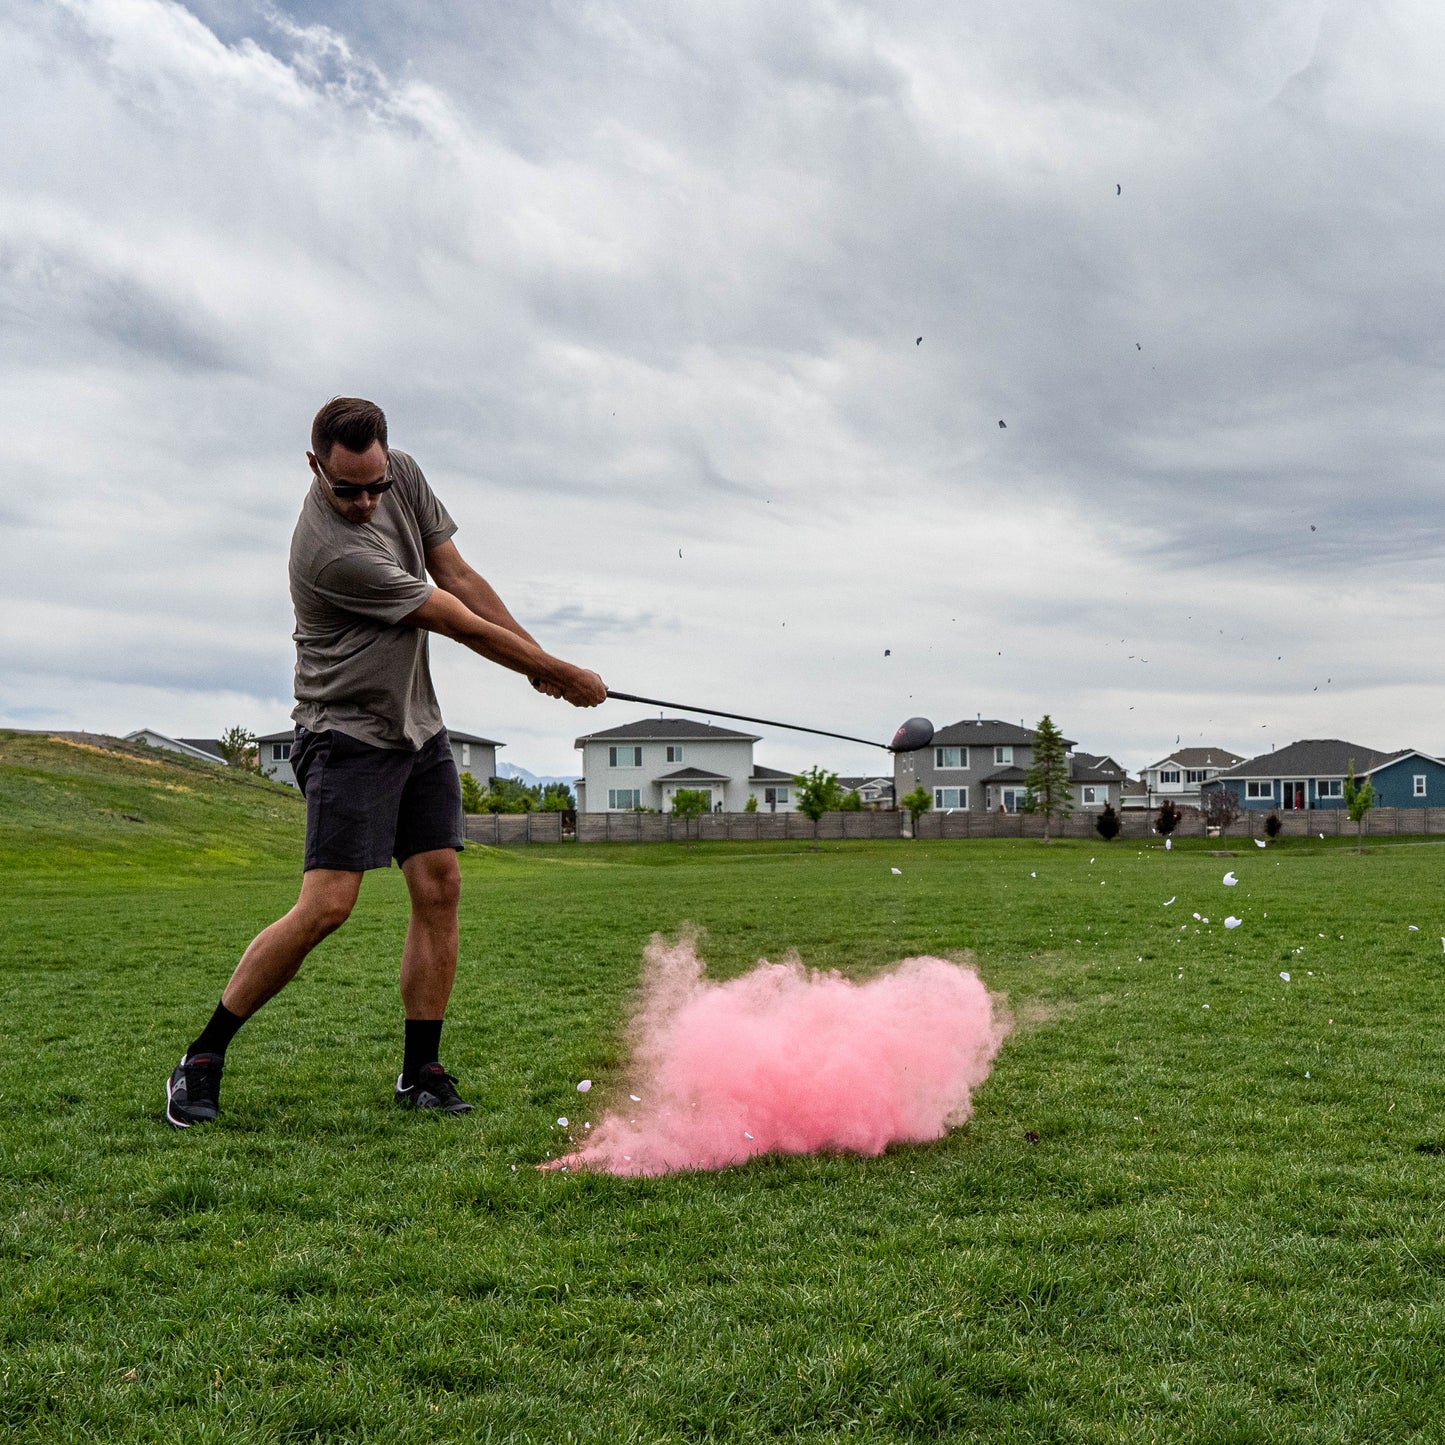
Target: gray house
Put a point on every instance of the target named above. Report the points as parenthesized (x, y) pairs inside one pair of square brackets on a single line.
[(206, 750), (982, 767), (473, 754)]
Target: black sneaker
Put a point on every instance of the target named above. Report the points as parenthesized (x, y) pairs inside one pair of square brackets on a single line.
[(193, 1092), (434, 1089)]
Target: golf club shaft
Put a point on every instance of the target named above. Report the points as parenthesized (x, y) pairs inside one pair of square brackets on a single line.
[(742, 717)]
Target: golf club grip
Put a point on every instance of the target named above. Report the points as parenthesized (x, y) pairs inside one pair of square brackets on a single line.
[(743, 717)]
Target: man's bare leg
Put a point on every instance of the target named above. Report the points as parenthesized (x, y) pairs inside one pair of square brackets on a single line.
[(266, 967), (429, 959), (276, 953), (428, 969)]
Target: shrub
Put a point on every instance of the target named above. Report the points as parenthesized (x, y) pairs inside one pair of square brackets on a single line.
[(1107, 824), (1168, 819), (1272, 825)]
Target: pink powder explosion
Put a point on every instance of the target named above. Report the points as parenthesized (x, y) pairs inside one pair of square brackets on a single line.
[(787, 1060)]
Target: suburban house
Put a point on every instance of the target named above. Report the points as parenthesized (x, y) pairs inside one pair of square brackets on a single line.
[(982, 767), (643, 764), (872, 792), (1180, 776), (1311, 774), (473, 754), (207, 750)]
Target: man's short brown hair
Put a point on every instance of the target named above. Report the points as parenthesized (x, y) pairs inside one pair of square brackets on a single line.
[(352, 422)]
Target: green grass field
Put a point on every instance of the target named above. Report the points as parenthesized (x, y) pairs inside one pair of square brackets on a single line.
[(1229, 1228)]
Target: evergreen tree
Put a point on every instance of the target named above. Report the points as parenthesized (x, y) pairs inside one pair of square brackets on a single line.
[(1168, 819), (1048, 779), (471, 794), (238, 747), (1107, 824)]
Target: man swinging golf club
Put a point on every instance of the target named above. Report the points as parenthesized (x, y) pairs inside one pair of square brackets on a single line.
[(371, 753)]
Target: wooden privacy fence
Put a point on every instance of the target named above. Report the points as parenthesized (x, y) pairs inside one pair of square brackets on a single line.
[(503, 829)]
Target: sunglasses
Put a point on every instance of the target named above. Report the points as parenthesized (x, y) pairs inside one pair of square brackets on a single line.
[(349, 491)]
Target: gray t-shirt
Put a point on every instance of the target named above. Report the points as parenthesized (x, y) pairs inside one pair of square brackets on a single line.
[(351, 584)]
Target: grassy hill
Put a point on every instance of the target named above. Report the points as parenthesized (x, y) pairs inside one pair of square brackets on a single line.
[(66, 804)]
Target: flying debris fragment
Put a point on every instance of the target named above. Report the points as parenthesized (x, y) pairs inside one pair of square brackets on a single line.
[(1002, 423), (1232, 921), (919, 342), (562, 1122), (585, 1086), (1168, 901), (1284, 975), (1260, 843), (1230, 880), (895, 870), (1168, 842)]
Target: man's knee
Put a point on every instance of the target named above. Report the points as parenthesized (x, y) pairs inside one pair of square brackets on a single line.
[(434, 881), (326, 903)]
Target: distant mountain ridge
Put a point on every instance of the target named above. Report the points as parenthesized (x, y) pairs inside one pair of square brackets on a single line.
[(533, 780)]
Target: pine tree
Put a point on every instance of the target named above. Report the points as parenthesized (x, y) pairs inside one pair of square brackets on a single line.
[(1048, 779)]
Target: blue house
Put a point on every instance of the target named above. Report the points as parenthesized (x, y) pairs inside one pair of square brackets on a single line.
[(1311, 774)]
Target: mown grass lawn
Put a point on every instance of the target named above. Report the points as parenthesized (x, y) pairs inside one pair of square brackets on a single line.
[(1228, 1229)]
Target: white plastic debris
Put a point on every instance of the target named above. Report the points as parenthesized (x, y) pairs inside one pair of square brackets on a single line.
[(1168, 901), (1168, 844), (1033, 875), (562, 1122), (634, 1098), (895, 870), (1196, 915), (1204, 920), (1206, 1005), (584, 1086), (1284, 975), (746, 1135), (1230, 880), (1413, 929), (1232, 921), (1260, 843), (587, 1126)]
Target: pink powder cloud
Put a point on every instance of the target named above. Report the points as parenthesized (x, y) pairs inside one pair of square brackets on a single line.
[(787, 1060)]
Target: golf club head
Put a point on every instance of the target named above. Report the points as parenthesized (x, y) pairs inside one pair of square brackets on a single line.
[(916, 733)]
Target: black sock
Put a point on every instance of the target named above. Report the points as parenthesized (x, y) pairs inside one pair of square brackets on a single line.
[(423, 1043), (217, 1034)]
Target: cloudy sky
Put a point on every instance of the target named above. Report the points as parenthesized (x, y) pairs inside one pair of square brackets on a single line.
[(640, 285)]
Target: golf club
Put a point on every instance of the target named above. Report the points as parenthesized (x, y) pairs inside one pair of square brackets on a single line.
[(916, 733)]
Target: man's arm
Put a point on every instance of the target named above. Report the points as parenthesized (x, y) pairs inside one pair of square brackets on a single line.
[(506, 642), (450, 571)]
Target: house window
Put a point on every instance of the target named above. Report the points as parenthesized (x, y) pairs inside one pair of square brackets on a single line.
[(1419, 785), (1013, 799), (280, 752), (674, 752), (466, 755), (624, 757), (1088, 794), (1253, 789), (1330, 788), (1003, 757), (950, 757), (773, 797), (950, 797), (1169, 775), (1195, 775), (624, 798)]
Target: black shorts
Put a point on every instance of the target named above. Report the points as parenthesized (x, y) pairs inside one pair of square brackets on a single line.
[(367, 805)]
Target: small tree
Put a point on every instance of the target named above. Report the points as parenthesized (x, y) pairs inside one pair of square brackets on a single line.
[(751, 806), (689, 803), (238, 747), (557, 798), (918, 802), (1107, 823), (471, 794), (1048, 779), (1272, 825), (1359, 799), (507, 795), (1218, 805), (850, 801), (1168, 819), (818, 793)]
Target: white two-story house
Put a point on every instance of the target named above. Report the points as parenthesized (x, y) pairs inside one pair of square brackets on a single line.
[(1181, 775), (644, 764)]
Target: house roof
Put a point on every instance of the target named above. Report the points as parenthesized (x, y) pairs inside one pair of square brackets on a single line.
[(177, 745), (983, 732), (854, 783), (1086, 768), (205, 745), (692, 775), (666, 729), (760, 774), (1007, 775), (461, 737), (1200, 758), (1314, 757)]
